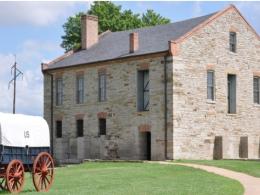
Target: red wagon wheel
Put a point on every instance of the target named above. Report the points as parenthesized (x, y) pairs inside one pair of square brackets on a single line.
[(15, 176), (43, 172)]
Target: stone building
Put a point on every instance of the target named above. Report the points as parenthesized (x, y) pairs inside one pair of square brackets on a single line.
[(186, 90)]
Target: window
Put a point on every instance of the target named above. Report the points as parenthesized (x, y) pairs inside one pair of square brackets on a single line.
[(210, 85), (102, 87), (257, 90), (102, 126), (59, 92), (231, 93), (80, 128), (58, 129), (80, 89), (143, 98), (233, 41)]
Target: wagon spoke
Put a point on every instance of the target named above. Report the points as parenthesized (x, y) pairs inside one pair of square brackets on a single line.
[(49, 163), (20, 181), (11, 172), (45, 159), (11, 180), (12, 185), (44, 181), (46, 178), (39, 173), (19, 168), (39, 181), (20, 173), (16, 185), (37, 169)]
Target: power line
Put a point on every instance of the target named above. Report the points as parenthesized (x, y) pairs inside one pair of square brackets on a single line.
[(16, 73)]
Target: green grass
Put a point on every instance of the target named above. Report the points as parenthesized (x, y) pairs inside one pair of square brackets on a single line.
[(136, 178), (244, 166)]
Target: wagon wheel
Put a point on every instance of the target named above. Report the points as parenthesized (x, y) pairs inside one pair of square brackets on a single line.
[(43, 172), (15, 176)]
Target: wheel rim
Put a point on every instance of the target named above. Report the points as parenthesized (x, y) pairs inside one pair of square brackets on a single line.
[(43, 172), (15, 176)]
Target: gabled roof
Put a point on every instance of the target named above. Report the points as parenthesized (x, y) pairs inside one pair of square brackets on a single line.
[(114, 45)]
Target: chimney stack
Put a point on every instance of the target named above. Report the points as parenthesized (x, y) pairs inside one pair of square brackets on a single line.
[(89, 31), (134, 42)]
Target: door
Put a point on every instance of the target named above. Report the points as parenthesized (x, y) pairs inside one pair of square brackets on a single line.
[(218, 148), (243, 147), (148, 145)]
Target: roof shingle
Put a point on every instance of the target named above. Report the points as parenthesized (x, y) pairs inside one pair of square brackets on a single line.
[(115, 45)]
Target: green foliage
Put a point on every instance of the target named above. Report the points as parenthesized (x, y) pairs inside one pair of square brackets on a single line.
[(150, 18), (72, 39), (111, 17)]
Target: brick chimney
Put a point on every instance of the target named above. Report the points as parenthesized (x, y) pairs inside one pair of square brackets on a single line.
[(89, 31), (134, 42)]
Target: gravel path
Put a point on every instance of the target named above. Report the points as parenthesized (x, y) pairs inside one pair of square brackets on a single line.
[(251, 184)]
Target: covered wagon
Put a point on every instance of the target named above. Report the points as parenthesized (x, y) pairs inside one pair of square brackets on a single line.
[(24, 146)]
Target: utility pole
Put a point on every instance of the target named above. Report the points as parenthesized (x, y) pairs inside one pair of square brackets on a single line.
[(16, 73)]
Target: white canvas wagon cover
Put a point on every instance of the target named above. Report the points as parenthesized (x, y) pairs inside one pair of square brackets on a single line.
[(19, 130)]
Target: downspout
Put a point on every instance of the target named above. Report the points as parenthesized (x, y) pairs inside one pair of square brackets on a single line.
[(52, 134), (165, 108), (51, 127)]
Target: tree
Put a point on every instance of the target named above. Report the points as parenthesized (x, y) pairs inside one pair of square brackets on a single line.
[(111, 17), (72, 38), (150, 18)]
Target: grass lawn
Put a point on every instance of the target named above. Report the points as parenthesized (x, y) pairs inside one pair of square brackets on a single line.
[(245, 166), (136, 178)]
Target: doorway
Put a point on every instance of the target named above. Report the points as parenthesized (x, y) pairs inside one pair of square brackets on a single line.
[(145, 145), (243, 147), (218, 148), (148, 145)]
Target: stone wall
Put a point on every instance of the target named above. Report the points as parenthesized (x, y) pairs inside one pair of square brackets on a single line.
[(124, 139), (197, 120)]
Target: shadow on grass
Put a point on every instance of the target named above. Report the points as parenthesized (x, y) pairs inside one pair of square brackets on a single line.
[(23, 191)]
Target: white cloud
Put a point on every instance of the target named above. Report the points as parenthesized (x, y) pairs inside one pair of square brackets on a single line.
[(197, 9), (35, 13), (30, 87)]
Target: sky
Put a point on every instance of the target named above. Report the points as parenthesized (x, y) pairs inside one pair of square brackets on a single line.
[(32, 31)]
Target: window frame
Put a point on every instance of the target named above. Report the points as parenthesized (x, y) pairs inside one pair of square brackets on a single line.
[(102, 87), (143, 90), (233, 42), (59, 91), (212, 87), (102, 126), (232, 110), (256, 91), (58, 128), (79, 90), (80, 127)]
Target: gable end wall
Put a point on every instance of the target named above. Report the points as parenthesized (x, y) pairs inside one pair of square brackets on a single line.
[(196, 120)]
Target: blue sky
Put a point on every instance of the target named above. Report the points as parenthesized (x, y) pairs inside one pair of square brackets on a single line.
[(33, 30)]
